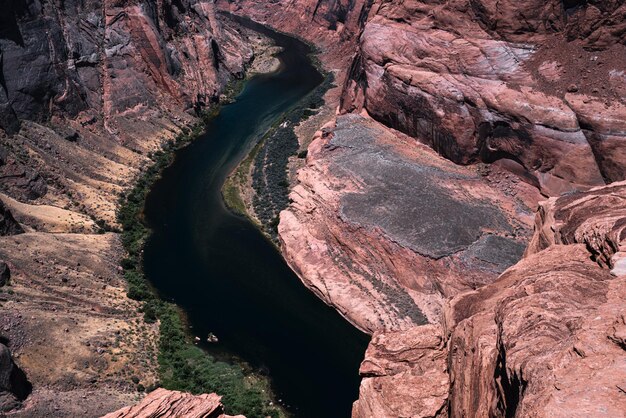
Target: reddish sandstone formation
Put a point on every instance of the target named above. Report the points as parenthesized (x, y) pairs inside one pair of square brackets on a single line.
[(596, 218), (546, 339), (537, 89), (485, 80), (172, 404), (322, 21), (404, 375), (385, 230)]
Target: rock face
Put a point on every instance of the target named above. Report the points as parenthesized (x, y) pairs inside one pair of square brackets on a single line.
[(14, 387), (8, 224), (385, 230), (422, 253), (545, 339), (538, 84), (316, 21), (166, 403), (527, 99), (109, 58), (596, 218), (88, 91)]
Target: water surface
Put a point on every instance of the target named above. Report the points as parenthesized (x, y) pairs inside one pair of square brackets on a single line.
[(224, 273)]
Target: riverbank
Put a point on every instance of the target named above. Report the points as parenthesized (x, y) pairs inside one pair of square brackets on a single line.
[(182, 365), (258, 187)]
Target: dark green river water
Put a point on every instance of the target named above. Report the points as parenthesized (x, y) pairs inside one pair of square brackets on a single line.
[(228, 278)]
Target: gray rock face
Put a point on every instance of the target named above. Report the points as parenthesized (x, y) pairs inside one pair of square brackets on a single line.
[(8, 225), (14, 386), (35, 72), (62, 58), (18, 179), (407, 200)]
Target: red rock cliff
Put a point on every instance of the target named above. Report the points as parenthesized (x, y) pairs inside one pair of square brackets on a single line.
[(528, 99), (537, 85)]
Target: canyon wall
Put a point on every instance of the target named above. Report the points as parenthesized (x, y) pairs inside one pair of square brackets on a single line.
[(88, 91), (411, 216), (415, 212), (538, 86)]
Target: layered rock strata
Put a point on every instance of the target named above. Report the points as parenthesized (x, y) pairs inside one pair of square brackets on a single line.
[(172, 404), (394, 237), (539, 86), (385, 230), (88, 91)]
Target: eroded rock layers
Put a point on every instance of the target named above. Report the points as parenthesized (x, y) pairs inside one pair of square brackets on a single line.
[(472, 313), (413, 215), (172, 404), (88, 91), (539, 85)]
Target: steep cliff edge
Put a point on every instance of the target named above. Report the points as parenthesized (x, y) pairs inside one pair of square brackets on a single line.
[(538, 86), (529, 100), (88, 92), (385, 230)]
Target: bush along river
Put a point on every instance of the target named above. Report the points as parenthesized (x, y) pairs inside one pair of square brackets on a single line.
[(226, 276)]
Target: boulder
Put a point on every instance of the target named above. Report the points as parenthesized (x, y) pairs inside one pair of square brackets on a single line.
[(5, 273), (8, 224), (14, 387)]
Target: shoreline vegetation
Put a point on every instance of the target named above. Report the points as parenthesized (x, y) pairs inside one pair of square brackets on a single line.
[(181, 364), (258, 188)]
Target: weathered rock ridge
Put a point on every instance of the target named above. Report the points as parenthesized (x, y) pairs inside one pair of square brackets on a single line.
[(88, 91), (166, 403)]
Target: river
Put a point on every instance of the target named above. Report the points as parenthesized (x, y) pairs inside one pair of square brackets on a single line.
[(228, 278)]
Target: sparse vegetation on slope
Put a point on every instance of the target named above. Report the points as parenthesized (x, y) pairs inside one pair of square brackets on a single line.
[(267, 164)]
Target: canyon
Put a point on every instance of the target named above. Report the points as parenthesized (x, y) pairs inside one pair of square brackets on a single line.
[(89, 91), (462, 198), (415, 213)]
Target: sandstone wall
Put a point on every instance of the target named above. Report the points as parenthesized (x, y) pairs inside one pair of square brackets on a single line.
[(536, 85)]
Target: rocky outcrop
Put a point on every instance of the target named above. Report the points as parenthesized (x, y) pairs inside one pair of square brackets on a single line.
[(538, 85), (404, 375), (596, 218), (545, 339), (109, 58), (166, 403), (14, 386), (8, 224), (385, 230), (5, 273)]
